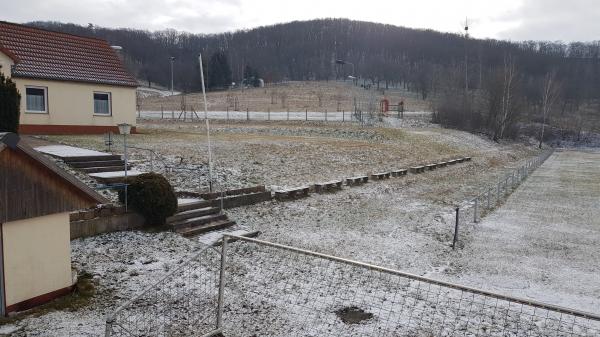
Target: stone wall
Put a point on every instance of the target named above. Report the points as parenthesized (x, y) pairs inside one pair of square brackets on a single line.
[(104, 219)]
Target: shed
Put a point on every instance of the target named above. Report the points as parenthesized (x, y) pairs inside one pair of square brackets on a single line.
[(36, 197)]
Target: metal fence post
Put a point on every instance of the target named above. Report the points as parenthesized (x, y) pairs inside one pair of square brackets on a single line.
[(221, 283), (108, 329), (455, 230), (306, 115), (475, 210), (247, 114)]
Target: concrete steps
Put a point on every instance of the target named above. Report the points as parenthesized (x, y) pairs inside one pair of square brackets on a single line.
[(192, 213), (108, 157), (189, 204), (196, 217), (98, 169), (114, 177), (215, 225), (97, 163)]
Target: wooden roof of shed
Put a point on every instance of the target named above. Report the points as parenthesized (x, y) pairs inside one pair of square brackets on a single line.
[(31, 185)]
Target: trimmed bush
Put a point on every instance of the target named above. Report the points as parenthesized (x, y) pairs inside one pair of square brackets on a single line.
[(10, 105), (152, 196)]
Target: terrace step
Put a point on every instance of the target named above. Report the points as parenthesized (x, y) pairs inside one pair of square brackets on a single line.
[(97, 163), (114, 177), (212, 226), (186, 206), (91, 158), (197, 221), (103, 169), (192, 213)]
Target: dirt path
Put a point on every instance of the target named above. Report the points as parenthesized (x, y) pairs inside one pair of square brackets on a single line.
[(543, 242)]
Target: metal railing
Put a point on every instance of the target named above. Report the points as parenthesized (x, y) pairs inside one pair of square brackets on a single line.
[(254, 287)]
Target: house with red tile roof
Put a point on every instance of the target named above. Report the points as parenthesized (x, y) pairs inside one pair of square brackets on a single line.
[(69, 84)]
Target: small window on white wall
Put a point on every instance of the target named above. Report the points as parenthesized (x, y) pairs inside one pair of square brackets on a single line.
[(36, 99), (102, 103)]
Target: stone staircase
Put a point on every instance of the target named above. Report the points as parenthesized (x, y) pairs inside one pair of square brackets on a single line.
[(96, 165), (195, 217)]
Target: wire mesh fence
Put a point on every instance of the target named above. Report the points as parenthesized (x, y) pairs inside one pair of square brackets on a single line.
[(276, 290), (258, 288), (182, 303), (493, 194)]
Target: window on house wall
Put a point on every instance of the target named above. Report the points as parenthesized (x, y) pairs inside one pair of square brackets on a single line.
[(102, 104), (36, 99)]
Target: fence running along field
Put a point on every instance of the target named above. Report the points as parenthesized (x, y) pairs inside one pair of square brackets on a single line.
[(306, 115), (493, 194), (268, 289)]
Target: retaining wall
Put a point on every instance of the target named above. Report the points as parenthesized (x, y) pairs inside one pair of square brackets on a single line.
[(105, 219), (242, 200)]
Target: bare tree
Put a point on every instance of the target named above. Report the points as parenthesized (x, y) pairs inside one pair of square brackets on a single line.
[(320, 97), (283, 97), (507, 112), (550, 92)]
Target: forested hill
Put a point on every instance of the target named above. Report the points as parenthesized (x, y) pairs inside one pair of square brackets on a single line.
[(305, 50)]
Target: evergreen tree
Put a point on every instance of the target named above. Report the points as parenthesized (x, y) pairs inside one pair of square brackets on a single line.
[(219, 71), (251, 76), (10, 100)]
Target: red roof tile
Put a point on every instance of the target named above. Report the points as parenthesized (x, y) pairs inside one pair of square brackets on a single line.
[(45, 54)]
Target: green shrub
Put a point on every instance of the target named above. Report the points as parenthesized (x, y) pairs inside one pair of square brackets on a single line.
[(151, 195), (10, 105)]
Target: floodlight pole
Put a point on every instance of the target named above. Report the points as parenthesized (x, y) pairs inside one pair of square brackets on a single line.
[(207, 125), (125, 129), (172, 60)]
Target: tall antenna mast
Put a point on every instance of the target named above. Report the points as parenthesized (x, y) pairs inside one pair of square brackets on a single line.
[(466, 56)]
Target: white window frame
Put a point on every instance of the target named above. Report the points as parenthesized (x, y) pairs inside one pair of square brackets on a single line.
[(109, 114), (45, 100)]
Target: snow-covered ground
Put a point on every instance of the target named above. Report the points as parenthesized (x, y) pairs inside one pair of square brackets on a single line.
[(543, 243), (65, 151), (331, 116), (145, 92), (402, 223)]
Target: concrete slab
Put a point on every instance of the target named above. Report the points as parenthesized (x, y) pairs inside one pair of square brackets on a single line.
[(116, 174), (65, 151)]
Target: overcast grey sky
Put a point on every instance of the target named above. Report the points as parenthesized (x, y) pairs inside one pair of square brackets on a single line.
[(566, 20)]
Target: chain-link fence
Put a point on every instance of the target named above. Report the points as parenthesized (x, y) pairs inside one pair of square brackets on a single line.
[(493, 194), (185, 302), (277, 290), (258, 288)]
